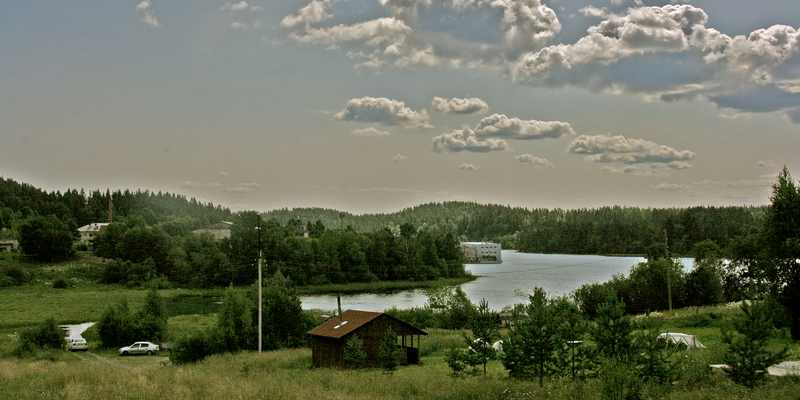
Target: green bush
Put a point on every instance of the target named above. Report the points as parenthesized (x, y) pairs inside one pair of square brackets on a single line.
[(354, 354), (119, 327), (60, 283), (46, 335), (617, 381), (193, 348)]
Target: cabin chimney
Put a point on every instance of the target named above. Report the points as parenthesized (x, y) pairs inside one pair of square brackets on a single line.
[(339, 306)]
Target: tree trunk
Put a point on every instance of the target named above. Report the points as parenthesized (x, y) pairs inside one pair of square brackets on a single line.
[(795, 325)]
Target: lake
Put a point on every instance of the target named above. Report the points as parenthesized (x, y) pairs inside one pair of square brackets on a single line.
[(500, 284)]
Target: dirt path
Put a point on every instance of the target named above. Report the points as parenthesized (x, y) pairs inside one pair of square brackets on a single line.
[(132, 363)]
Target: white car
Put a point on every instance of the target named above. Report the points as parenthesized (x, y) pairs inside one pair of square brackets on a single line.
[(77, 344), (139, 348)]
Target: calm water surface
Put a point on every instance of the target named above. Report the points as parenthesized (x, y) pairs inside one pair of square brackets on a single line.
[(500, 284)]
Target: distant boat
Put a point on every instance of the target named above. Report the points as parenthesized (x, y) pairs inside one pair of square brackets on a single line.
[(481, 252)]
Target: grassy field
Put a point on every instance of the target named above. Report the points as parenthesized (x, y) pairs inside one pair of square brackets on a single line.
[(287, 374)]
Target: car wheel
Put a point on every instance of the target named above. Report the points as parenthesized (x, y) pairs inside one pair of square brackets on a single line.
[(149, 353), (124, 353)]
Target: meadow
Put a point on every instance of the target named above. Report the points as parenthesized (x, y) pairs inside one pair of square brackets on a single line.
[(287, 374)]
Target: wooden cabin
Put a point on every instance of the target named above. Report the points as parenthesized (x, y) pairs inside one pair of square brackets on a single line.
[(329, 340)]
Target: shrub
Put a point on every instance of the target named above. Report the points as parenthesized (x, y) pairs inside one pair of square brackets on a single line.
[(747, 356), (193, 348), (618, 382), (47, 335), (388, 351), (354, 354), (60, 283)]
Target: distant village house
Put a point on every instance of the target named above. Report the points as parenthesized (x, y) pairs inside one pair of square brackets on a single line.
[(482, 252), (8, 245), (220, 231), (89, 232)]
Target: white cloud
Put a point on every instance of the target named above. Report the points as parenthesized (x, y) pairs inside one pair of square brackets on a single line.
[(752, 58), (684, 59), (621, 150), (533, 160), (241, 6), (405, 40), (764, 181), (312, 13), (399, 157), (369, 132), (378, 28), (669, 187), (145, 12), (469, 167), (456, 105), (238, 14), (642, 30), (623, 170), (499, 125), (383, 111), (466, 140)]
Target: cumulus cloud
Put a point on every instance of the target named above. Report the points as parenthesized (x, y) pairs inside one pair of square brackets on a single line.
[(533, 160), (369, 132), (499, 125), (383, 111), (686, 59), (399, 157), (621, 150), (375, 30), (641, 30), (312, 13), (469, 167), (456, 105), (406, 38), (466, 140), (144, 11)]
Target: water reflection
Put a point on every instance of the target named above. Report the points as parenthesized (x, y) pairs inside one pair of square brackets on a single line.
[(500, 284)]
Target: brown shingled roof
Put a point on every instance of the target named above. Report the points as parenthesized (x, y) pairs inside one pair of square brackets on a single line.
[(350, 320)]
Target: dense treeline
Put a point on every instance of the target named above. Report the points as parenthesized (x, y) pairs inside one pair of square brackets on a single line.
[(606, 230), (331, 256), (174, 213), (629, 230)]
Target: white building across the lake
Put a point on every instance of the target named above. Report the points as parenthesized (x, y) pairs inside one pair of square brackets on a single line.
[(481, 252)]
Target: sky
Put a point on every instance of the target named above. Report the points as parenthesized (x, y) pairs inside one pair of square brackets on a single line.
[(371, 106)]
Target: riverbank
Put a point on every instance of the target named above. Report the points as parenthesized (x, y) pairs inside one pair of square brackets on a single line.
[(381, 287)]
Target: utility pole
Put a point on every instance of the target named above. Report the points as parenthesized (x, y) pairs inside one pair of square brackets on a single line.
[(260, 300), (669, 270)]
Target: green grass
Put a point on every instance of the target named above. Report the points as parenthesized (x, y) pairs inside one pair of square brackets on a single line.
[(286, 374)]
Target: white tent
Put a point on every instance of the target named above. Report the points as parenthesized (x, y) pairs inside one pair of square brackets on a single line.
[(690, 341)]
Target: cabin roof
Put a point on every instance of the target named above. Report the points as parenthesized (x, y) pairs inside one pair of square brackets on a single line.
[(350, 320)]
